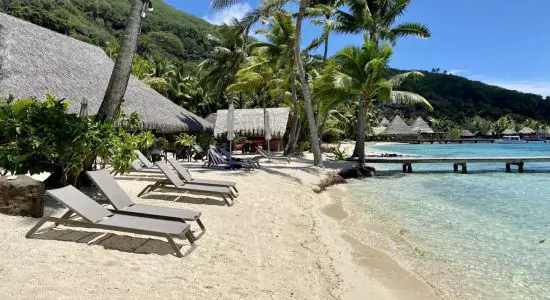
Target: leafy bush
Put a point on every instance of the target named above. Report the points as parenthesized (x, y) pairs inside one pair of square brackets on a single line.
[(38, 136), (186, 140), (339, 154)]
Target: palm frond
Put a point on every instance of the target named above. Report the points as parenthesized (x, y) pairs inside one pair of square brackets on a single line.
[(411, 29), (399, 79), (408, 98)]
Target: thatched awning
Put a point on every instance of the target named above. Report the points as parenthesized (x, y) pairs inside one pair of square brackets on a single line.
[(420, 126), (211, 118), (398, 127), (378, 130), (36, 61), (250, 122), (527, 130), (466, 134), (509, 131)]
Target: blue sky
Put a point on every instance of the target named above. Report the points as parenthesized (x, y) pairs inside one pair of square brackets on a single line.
[(501, 42)]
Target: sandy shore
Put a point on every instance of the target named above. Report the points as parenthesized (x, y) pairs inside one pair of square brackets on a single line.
[(280, 240)]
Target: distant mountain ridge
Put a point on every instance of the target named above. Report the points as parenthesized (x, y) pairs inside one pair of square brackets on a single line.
[(173, 34)]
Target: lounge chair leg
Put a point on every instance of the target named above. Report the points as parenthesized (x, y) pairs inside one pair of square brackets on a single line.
[(191, 240), (225, 199), (36, 227), (174, 246), (144, 190), (203, 229), (66, 215)]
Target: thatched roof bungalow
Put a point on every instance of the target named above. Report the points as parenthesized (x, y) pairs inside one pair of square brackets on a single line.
[(211, 118), (384, 122), (420, 126), (398, 127), (378, 130), (509, 131), (527, 131), (466, 134), (35, 61), (250, 123)]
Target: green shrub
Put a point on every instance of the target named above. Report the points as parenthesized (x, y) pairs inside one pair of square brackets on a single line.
[(38, 136), (339, 154), (186, 140)]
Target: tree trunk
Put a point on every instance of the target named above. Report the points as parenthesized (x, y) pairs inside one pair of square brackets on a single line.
[(292, 139), (123, 66), (360, 144), (317, 158), (325, 54), (357, 136)]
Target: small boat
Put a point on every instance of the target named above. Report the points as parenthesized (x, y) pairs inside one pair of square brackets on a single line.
[(510, 139)]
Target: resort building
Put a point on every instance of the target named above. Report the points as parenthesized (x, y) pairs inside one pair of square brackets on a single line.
[(249, 123), (466, 134), (420, 126), (399, 130), (37, 61)]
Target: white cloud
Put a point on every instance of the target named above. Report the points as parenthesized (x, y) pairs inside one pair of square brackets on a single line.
[(226, 15), (457, 71)]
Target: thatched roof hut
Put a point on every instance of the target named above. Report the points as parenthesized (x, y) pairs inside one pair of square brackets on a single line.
[(509, 131), (36, 61), (250, 122), (398, 127), (384, 122), (420, 126), (527, 131), (466, 134)]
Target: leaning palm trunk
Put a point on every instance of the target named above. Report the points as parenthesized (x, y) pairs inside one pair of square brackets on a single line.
[(317, 159), (123, 65), (293, 138), (360, 144)]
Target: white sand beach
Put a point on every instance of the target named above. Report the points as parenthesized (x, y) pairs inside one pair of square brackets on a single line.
[(280, 240)]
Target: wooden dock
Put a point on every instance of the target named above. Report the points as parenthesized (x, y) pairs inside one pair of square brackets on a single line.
[(458, 161)]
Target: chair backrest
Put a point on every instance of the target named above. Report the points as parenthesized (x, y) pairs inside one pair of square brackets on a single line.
[(137, 165), (216, 157), (170, 174), (223, 152), (108, 185), (144, 160), (80, 204), (180, 169)]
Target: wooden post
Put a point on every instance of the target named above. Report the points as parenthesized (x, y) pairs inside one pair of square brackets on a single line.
[(455, 167), (409, 168), (464, 168), (520, 167), (508, 168), (404, 168)]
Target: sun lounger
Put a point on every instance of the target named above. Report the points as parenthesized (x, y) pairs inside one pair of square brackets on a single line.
[(98, 217), (185, 175), (253, 161), (216, 159), (139, 167), (174, 183), (124, 204)]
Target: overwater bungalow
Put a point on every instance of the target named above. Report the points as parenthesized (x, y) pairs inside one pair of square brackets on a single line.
[(249, 123), (420, 126), (509, 131), (399, 130), (527, 132), (36, 61), (466, 134)]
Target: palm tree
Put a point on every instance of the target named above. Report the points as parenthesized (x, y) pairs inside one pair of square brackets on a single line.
[(269, 6), (358, 73), (123, 64), (228, 56), (315, 147), (377, 19), (280, 35), (328, 10)]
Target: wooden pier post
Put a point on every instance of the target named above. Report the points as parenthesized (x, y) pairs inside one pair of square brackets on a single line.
[(520, 167), (464, 168), (455, 167), (404, 168), (508, 168)]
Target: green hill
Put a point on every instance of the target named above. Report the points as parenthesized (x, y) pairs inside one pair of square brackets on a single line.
[(166, 32), (458, 99), (174, 34)]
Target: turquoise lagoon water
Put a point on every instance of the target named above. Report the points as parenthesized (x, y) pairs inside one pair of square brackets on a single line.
[(474, 236)]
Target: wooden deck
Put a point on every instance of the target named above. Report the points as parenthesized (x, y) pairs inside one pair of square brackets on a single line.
[(458, 161)]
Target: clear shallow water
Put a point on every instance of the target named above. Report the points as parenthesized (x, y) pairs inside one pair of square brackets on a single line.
[(474, 236)]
